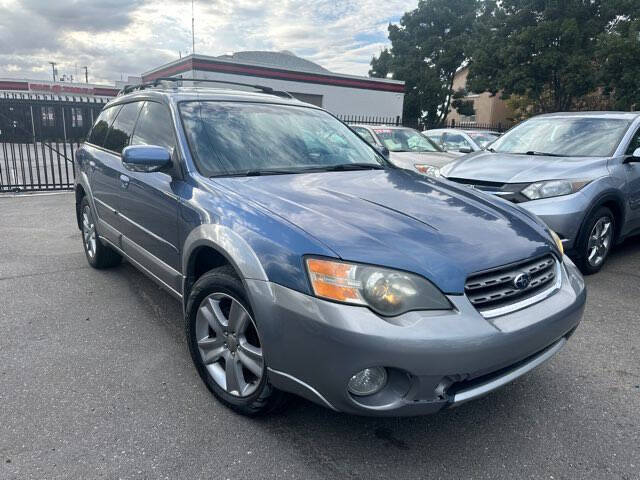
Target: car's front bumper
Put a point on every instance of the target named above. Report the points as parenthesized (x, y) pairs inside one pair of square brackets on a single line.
[(564, 215), (434, 359)]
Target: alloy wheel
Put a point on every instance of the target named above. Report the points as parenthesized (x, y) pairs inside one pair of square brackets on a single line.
[(229, 345), (600, 240), (88, 232)]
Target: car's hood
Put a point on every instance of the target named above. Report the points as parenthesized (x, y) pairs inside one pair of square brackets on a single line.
[(515, 168), (400, 219), (409, 159)]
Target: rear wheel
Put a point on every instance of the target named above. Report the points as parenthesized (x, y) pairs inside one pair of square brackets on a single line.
[(98, 255), (225, 345), (596, 240)]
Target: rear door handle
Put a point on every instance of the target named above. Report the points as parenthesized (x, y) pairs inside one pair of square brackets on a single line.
[(124, 181)]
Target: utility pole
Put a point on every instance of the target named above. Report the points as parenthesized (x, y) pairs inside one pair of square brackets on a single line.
[(193, 31), (53, 70), (86, 74)]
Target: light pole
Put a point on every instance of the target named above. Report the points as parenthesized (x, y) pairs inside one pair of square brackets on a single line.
[(86, 74), (53, 70)]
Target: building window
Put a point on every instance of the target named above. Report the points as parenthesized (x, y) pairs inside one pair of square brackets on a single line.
[(48, 116), (468, 118), (76, 117)]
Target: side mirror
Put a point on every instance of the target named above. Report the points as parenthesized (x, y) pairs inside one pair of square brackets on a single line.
[(145, 158), (383, 151), (465, 150), (635, 157)]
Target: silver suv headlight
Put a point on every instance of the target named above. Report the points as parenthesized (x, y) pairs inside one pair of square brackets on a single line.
[(385, 291), (553, 188)]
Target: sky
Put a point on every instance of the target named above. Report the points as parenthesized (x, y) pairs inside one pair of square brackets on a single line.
[(117, 38)]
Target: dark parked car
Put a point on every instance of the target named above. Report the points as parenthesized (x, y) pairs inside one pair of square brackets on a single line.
[(306, 264), (578, 172)]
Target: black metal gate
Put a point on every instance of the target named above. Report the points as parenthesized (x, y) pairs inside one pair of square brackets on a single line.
[(39, 135)]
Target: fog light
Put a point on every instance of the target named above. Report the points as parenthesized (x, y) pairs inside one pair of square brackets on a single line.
[(368, 381)]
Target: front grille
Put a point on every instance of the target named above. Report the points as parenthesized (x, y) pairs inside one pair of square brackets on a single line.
[(496, 288), (510, 192)]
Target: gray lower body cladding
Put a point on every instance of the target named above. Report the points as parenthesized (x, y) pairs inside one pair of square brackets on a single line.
[(433, 359)]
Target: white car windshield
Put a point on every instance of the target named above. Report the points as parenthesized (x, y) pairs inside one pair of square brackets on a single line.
[(405, 140), (564, 136)]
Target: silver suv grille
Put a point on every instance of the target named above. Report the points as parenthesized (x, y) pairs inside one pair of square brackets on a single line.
[(493, 292)]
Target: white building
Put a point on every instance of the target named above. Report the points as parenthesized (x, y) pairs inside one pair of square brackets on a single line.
[(342, 95)]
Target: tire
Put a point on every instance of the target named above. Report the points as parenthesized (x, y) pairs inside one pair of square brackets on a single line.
[(597, 237), (98, 255), (217, 349)]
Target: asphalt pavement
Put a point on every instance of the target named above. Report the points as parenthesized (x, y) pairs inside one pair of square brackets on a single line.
[(96, 382)]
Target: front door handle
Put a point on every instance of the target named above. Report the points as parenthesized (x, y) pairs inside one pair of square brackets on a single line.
[(124, 181)]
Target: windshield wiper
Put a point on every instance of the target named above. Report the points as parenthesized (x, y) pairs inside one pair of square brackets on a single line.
[(546, 154), (255, 172), (350, 166)]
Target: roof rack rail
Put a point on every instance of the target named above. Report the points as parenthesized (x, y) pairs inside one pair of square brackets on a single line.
[(263, 88)]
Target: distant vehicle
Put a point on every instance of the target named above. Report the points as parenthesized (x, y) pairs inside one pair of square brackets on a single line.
[(463, 141), (408, 148), (579, 172)]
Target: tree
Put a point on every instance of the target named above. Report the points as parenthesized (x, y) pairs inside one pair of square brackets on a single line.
[(427, 48), (540, 49), (619, 70)]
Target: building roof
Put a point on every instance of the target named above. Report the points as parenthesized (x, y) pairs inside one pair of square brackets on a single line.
[(281, 66), (284, 59)]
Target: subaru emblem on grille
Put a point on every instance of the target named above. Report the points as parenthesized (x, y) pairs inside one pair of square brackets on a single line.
[(522, 281)]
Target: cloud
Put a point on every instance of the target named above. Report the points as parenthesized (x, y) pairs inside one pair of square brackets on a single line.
[(128, 37)]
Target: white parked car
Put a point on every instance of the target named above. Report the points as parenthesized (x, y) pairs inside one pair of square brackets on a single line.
[(464, 141), (407, 148)]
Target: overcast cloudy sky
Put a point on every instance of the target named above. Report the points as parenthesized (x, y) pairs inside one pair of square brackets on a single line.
[(128, 37)]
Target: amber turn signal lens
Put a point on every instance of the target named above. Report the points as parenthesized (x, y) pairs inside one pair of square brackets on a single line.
[(334, 280), (558, 241)]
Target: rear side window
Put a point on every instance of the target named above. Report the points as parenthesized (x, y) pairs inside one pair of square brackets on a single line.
[(122, 127), (101, 127), (154, 127)]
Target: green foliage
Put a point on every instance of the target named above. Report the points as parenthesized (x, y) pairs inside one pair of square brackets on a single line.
[(464, 107), (426, 50), (550, 51)]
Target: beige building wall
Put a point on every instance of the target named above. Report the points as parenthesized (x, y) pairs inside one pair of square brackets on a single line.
[(489, 109)]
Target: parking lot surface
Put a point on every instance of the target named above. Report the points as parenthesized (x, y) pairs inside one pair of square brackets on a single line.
[(96, 382)]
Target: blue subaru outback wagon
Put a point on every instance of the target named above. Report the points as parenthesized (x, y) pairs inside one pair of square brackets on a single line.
[(307, 264)]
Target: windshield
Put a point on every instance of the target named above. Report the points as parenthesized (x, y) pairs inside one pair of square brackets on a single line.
[(229, 138), (405, 140), (571, 137), (483, 139)]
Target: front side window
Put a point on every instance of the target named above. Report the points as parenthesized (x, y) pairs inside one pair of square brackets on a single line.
[(570, 137), (101, 127), (365, 134), (228, 138), (122, 127), (405, 140), (154, 127), (634, 144)]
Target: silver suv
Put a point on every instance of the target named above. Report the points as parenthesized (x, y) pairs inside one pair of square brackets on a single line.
[(579, 172)]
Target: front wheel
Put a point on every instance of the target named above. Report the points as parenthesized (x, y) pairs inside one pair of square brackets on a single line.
[(98, 255), (225, 345), (596, 240)]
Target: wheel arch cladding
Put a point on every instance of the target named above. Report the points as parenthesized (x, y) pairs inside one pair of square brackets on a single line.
[(217, 245), (80, 193)]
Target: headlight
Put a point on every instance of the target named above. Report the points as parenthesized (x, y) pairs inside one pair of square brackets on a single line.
[(385, 291), (429, 170), (558, 241), (553, 188)]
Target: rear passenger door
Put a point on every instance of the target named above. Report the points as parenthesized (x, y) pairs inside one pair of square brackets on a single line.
[(149, 202), (632, 173)]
